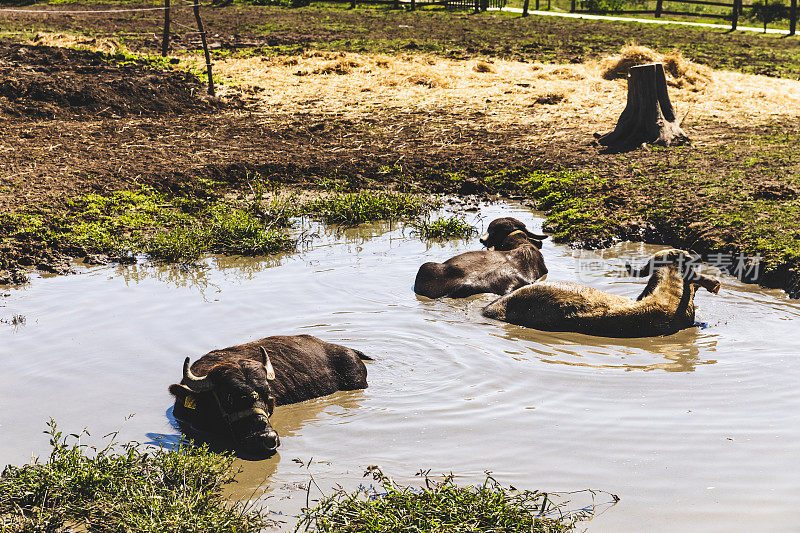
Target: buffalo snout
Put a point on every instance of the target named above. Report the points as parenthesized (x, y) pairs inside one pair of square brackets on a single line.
[(261, 444)]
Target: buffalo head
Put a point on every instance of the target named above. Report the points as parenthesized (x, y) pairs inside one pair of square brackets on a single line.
[(684, 263), (501, 232), (233, 397)]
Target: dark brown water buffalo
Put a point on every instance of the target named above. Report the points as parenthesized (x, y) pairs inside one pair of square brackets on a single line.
[(513, 260), (234, 390), (665, 306)]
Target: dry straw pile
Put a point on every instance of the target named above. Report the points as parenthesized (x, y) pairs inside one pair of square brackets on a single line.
[(680, 71), (99, 44), (549, 98)]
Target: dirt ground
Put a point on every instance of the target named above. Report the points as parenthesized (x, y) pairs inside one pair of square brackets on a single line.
[(453, 34), (77, 121)]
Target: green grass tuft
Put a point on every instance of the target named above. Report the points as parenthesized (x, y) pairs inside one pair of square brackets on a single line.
[(176, 229), (128, 487), (183, 244), (441, 507), (444, 228), (236, 231), (366, 206)]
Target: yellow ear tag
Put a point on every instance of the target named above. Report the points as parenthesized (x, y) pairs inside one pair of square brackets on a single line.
[(189, 402)]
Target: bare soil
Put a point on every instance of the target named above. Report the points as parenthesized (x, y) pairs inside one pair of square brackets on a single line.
[(76, 121), (47, 83)]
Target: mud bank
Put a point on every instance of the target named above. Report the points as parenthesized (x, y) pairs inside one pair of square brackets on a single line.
[(733, 192)]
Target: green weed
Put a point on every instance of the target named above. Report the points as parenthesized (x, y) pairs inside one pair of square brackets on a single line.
[(442, 506), (235, 231), (175, 229), (183, 244), (366, 206), (444, 228), (126, 487), (123, 58)]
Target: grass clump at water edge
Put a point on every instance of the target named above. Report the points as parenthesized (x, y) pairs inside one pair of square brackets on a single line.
[(444, 228), (439, 507), (366, 206), (128, 487), (178, 229)]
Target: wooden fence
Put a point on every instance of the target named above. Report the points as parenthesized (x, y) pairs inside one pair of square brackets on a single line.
[(735, 10)]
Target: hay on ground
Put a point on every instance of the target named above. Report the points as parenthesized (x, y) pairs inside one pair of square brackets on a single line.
[(548, 98), (80, 42), (680, 71), (483, 66)]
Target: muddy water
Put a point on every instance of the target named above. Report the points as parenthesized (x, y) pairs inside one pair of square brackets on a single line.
[(697, 431)]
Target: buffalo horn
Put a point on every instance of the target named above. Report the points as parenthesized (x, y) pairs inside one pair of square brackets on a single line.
[(268, 364), (537, 236), (193, 382)]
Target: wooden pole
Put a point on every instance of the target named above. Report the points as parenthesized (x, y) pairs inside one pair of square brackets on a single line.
[(572, 6), (537, 5), (735, 15), (202, 31), (352, 4), (525, 5), (793, 17), (548, 5), (413, 5), (165, 38), (659, 8)]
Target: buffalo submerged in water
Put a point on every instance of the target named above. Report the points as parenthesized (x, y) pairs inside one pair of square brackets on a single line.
[(233, 391), (665, 306), (512, 261)]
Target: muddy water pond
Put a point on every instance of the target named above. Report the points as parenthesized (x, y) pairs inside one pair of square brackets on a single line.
[(696, 431)]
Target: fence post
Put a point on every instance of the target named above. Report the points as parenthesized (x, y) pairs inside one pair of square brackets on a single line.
[(525, 5), (396, 4), (735, 15), (413, 5), (548, 5), (659, 8), (537, 5), (793, 18), (572, 6), (202, 31), (165, 38), (352, 4)]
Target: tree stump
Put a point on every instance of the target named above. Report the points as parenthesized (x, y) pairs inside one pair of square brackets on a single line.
[(648, 116)]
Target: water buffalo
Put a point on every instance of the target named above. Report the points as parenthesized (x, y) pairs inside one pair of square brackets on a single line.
[(233, 391), (513, 260), (665, 306)]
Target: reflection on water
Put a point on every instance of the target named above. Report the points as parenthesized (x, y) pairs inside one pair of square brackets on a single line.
[(680, 352), (288, 421), (690, 430)]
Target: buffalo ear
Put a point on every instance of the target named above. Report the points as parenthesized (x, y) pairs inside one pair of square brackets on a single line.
[(267, 364), (179, 391), (645, 271)]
